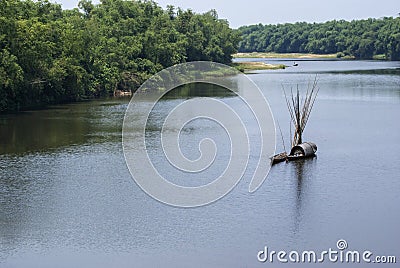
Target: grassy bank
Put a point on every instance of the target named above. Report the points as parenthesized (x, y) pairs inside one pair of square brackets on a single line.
[(252, 66), (284, 55)]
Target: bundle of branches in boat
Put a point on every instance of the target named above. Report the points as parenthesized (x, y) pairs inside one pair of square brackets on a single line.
[(299, 109)]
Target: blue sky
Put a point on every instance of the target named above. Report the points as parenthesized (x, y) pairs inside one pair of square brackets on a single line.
[(280, 11)]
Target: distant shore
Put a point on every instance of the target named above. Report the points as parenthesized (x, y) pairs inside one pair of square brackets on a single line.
[(254, 65), (285, 55)]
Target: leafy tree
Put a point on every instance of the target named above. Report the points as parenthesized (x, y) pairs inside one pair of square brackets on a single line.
[(362, 39), (50, 55)]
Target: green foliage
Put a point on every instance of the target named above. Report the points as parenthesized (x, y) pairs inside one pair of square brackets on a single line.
[(49, 55), (361, 39)]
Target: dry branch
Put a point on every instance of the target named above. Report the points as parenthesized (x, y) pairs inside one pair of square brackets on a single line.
[(300, 108)]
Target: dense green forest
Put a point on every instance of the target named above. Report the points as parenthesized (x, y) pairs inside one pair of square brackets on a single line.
[(362, 39), (49, 55)]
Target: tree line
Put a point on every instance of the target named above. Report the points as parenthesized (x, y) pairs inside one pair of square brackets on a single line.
[(361, 39), (49, 55)]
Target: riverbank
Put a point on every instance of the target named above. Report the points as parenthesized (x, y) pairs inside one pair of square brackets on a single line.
[(285, 55), (254, 65)]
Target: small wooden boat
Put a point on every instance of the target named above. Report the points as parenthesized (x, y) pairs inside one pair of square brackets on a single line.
[(295, 64), (279, 158), (120, 93), (304, 150)]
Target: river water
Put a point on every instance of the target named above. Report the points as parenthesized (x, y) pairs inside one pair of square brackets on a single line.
[(67, 198)]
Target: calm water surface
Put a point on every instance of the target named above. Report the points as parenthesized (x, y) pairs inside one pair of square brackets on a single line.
[(67, 198)]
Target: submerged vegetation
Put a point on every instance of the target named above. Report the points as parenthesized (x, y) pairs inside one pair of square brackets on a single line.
[(49, 55), (361, 39)]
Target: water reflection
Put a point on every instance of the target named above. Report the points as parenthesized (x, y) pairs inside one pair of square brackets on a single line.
[(36, 131), (80, 123), (61, 126), (302, 171), (394, 71), (200, 90)]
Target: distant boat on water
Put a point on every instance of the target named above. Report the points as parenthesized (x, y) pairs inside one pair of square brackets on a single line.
[(295, 64)]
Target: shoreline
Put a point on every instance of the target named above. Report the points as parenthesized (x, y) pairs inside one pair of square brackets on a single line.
[(300, 56), (285, 55), (256, 66)]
